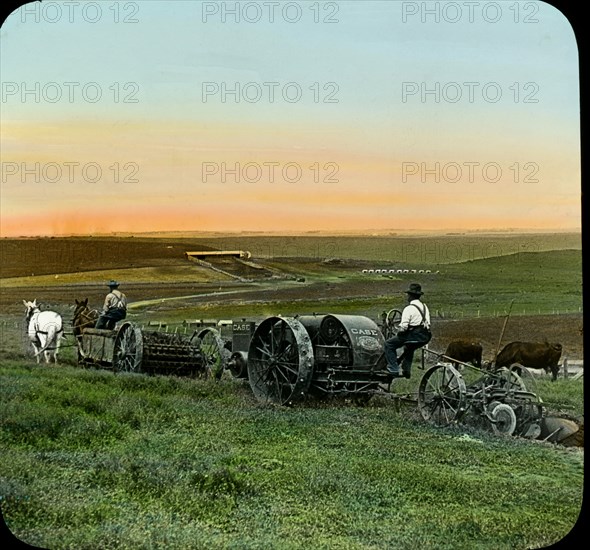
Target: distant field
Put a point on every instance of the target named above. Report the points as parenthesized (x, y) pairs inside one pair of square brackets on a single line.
[(188, 273), (536, 283), (419, 251), (24, 257)]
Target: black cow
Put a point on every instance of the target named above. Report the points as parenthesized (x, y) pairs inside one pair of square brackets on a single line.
[(465, 351), (533, 355)]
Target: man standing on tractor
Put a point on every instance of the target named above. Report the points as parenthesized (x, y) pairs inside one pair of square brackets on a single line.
[(114, 309), (414, 332)]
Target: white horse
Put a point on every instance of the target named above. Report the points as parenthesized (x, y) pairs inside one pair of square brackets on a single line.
[(45, 330)]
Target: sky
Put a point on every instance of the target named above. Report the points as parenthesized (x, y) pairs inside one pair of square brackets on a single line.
[(288, 116)]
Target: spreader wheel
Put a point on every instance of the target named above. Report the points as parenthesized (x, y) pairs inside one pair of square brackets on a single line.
[(128, 349), (213, 350), (442, 395), (280, 361)]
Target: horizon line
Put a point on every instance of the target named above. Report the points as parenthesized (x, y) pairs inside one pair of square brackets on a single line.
[(319, 232)]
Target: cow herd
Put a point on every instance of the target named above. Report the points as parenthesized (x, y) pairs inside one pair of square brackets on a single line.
[(531, 355)]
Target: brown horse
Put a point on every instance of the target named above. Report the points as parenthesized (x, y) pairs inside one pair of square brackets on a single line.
[(84, 317)]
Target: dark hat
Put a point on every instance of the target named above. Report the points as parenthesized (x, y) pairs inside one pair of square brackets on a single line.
[(113, 284), (415, 289)]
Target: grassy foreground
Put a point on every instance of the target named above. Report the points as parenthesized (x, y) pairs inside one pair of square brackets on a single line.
[(92, 460)]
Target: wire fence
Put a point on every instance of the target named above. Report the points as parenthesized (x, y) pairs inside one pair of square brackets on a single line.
[(473, 314)]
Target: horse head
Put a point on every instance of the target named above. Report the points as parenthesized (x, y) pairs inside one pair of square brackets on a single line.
[(84, 317), (30, 307), (81, 306)]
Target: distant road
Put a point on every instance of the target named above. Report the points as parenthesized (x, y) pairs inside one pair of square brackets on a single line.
[(142, 303)]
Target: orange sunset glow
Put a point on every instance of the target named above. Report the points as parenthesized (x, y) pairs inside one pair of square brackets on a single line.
[(151, 151)]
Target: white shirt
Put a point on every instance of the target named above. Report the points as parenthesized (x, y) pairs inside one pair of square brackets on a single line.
[(115, 300), (411, 317)]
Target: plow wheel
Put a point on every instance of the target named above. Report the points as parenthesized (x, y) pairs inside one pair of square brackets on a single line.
[(528, 380), (503, 419), (128, 349), (442, 395), (213, 351), (509, 380), (280, 361)]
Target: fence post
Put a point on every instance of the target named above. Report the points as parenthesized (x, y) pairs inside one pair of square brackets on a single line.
[(565, 369)]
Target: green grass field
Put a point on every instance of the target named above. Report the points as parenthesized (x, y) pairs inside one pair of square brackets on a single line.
[(97, 460)]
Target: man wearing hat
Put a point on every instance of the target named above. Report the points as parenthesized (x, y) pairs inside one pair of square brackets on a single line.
[(414, 332), (114, 309)]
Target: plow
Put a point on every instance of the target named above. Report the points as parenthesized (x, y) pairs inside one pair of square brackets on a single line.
[(498, 400)]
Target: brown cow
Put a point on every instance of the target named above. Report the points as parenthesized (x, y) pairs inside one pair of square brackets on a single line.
[(533, 355), (465, 351)]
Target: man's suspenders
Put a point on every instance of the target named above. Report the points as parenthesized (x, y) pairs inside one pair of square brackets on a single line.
[(423, 313)]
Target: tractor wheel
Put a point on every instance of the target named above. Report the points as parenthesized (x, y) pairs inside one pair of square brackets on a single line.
[(280, 361)]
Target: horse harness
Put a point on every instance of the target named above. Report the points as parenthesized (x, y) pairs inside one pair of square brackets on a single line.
[(88, 317), (33, 319)]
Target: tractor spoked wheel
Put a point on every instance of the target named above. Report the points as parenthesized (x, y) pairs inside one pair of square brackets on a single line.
[(280, 361)]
